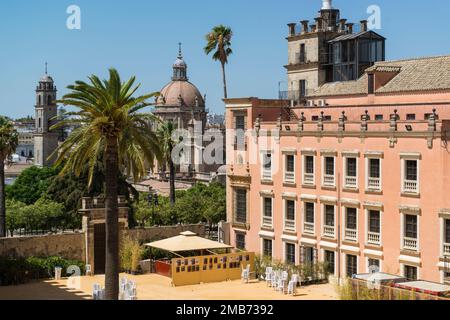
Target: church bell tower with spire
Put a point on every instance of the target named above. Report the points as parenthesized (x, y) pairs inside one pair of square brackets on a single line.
[(45, 140)]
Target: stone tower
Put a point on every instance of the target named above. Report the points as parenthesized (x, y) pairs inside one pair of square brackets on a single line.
[(308, 51), (328, 50), (45, 140)]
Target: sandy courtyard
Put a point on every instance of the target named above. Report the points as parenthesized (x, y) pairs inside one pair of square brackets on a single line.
[(155, 287)]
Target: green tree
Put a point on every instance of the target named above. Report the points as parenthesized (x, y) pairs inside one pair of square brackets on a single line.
[(219, 41), (109, 123), (14, 219), (9, 140), (165, 134), (31, 185), (143, 212), (215, 204), (70, 189)]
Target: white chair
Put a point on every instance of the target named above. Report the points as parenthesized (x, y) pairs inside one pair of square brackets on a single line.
[(245, 274), (96, 292), (88, 270), (292, 287), (274, 283), (269, 274), (283, 282)]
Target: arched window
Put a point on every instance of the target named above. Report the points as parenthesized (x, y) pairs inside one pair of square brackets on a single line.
[(39, 100), (40, 123), (49, 100)]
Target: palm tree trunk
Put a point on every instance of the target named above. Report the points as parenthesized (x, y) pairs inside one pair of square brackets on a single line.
[(112, 222), (224, 82), (172, 182), (2, 200)]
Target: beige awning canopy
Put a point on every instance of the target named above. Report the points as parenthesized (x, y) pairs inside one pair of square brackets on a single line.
[(187, 241)]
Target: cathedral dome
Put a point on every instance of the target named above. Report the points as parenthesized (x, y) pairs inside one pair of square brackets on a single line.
[(180, 92), (189, 94)]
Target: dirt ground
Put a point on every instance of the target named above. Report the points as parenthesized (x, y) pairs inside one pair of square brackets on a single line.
[(155, 287)]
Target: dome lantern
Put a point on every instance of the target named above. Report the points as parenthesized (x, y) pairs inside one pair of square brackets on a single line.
[(180, 67)]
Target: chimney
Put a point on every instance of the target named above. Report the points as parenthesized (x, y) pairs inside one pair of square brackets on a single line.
[(292, 29), (313, 28), (319, 23), (363, 25), (350, 27), (342, 23), (304, 26), (327, 5)]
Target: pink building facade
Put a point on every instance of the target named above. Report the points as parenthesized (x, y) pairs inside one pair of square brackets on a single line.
[(357, 175)]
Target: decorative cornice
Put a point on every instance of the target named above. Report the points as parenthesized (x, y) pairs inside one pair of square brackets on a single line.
[(407, 209)]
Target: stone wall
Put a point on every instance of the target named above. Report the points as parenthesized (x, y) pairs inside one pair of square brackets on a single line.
[(159, 233), (72, 246), (68, 246)]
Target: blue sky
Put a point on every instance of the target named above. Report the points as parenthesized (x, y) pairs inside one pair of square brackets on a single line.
[(139, 37)]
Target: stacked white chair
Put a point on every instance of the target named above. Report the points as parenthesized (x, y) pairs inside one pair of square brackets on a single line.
[(97, 292), (292, 287), (282, 282), (269, 275)]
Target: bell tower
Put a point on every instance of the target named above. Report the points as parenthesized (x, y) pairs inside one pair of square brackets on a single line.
[(45, 140)]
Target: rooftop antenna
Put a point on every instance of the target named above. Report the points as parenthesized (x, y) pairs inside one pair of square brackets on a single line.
[(327, 5)]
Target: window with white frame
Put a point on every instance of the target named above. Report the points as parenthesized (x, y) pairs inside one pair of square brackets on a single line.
[(267, 211), (446, 237), (329, 221), (351, 224), (240, 127), (240, 200), (330, 261), (309, 218), (267, 166), (374, 174), (410, 273), (351, 172), (329, 179), (240, 240), (308, 170), (267, 247), (289, 217), (289, 173), (351, 265), (373, 265), (410, 176), (410, 232), (290, 253), (374, 227)]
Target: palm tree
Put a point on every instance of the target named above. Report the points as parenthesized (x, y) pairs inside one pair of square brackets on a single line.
[(9, 139), (165, 135), (219, 40), (108, 123)]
